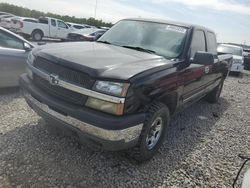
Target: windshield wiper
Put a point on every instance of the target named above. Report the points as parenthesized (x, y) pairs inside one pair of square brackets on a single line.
[(105, 42), (140, 49)]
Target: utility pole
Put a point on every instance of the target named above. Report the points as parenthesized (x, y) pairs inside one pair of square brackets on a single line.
[(95, 8)]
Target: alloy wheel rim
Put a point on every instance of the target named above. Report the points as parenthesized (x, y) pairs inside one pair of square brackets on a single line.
[(154, 133)]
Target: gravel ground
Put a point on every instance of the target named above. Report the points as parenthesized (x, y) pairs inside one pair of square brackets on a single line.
[(200, 150)]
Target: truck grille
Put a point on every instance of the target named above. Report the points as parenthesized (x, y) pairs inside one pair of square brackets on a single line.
[(64, 73), (59, 92)]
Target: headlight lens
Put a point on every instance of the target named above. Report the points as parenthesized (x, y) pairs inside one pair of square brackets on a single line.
[(31, 58), (105, 106), (113, 88)]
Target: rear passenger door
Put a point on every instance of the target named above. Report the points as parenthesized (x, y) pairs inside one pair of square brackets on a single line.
[(218, 66), (53, 28), (193, 76)]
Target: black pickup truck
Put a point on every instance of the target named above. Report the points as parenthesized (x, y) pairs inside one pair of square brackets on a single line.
[(120, 92)]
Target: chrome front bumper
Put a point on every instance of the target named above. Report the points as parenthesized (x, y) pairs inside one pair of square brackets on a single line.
[(125, 135)]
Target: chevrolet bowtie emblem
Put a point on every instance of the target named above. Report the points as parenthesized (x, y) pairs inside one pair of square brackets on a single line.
[(53, 79)]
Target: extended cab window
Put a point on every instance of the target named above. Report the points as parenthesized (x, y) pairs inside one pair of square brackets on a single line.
[(211, 43), (198, 42), (53, 22), (9, 41), (61, 24)]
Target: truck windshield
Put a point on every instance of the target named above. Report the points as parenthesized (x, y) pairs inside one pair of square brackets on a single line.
[(230, 50), (162, 39)]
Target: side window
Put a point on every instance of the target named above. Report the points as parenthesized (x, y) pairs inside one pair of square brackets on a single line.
[(61, 24), (9, 41), (29, 20), (211, 43), (78, 27), (198, 42), (53, 22)]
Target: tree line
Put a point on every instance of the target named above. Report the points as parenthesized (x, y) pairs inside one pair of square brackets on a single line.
[(25, 12)]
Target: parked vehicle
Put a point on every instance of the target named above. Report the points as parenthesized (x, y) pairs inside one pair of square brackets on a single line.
[(18, 22), (4, 13), (13, 55), (6, 22), (121, 91), (247, 59), (237, 52), (5, 16), (86, 34), (46, 27), (76, 26)]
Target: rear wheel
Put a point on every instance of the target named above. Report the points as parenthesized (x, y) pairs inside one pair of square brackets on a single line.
[(37, 35), (153, 133), (214, 95)]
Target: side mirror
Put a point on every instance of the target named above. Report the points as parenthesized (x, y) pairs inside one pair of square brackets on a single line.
[(27, 47), (203, 58)]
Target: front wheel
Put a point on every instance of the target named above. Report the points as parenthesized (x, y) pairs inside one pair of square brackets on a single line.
[(153, 133)]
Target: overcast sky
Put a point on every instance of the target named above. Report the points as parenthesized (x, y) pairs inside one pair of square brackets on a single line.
[(230, 19)]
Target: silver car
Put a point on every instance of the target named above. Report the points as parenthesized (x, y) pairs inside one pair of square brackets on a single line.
[(14, 51)]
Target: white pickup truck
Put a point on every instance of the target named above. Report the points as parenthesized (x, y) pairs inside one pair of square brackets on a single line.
[(45, 27)]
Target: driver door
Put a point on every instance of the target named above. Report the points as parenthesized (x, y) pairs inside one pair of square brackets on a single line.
[(62, 30)]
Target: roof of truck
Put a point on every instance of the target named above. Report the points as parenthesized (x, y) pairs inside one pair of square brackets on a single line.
[(187, 25)]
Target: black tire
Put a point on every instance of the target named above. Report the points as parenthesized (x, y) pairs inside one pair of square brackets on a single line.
[(214, 95), (37, 35), (141, 151)]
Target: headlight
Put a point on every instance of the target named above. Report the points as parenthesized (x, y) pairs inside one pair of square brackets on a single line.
[(112, 88), (105, 106), (31, 58)]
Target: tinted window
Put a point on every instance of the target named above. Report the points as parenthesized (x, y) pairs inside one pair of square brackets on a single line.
[(198, 42), (164, 39), (78, 27), (61, 24), (211, 43), (53, 22), (28, 20), (9, 41), (44, 21)]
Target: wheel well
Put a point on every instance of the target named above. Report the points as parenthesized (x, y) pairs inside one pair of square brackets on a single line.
[(170, 100), (39, 30)]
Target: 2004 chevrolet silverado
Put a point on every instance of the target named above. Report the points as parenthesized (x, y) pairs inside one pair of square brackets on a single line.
[(120, 92)]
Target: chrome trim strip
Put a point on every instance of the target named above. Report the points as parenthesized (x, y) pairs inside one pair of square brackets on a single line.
[(127, 135), (78, 89)]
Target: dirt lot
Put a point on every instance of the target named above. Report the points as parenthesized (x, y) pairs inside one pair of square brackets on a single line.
[(200, 150)]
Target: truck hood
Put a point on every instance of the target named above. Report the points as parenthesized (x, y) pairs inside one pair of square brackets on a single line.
[(102, 60)]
